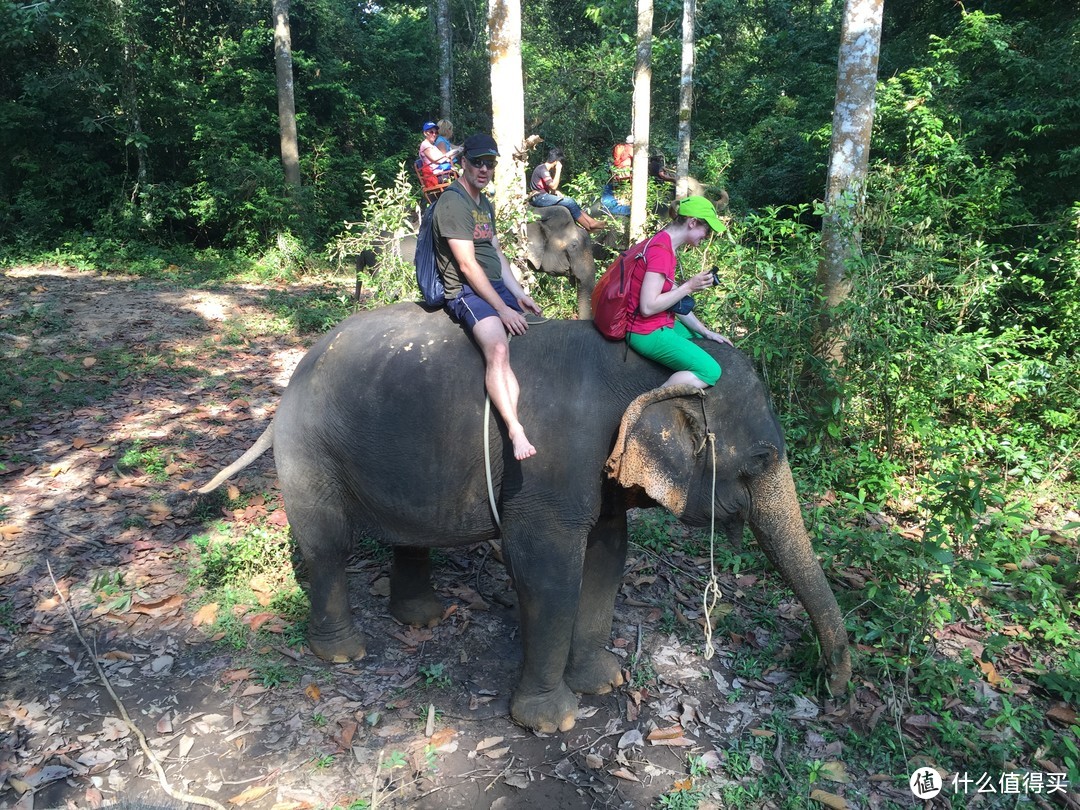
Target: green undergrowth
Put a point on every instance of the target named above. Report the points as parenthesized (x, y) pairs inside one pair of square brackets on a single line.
[(244, 578)]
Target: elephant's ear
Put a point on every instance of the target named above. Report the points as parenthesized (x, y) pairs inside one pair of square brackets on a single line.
[(661, 433)]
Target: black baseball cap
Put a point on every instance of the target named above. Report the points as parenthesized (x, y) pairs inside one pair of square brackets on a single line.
[(479, 145)]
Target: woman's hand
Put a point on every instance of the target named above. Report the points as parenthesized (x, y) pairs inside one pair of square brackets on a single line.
[(702, 281)]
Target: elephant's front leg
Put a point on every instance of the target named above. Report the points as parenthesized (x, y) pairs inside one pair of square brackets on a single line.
[(591, 668), (412, 599), (546, 568)]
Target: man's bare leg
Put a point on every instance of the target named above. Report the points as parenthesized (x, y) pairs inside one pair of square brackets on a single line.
[(500, 381)]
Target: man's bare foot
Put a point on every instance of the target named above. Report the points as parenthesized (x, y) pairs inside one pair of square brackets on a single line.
[(523, 448)]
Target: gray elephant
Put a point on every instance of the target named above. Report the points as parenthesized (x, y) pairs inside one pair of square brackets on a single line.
[(559, 247), (381, 432)]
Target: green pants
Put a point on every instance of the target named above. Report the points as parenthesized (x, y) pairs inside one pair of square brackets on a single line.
[(673, 347)]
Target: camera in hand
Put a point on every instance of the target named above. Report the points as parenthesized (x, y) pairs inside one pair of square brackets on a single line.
[(715, 277)]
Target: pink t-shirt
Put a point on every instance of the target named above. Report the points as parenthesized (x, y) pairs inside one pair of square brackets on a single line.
[(659, 258)]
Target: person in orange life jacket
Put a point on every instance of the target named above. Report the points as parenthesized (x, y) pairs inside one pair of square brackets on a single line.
[(482, 293), (544, 186), (622, 160), (654, 329)]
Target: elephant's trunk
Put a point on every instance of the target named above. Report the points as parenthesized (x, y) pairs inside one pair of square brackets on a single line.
[(777, 523)]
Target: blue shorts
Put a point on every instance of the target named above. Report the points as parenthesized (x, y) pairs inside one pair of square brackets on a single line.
[(469, 308)]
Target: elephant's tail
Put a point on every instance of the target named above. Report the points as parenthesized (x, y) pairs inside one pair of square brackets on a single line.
[(262, 444)]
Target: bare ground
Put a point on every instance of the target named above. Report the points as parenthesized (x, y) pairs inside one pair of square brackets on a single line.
[(318, 737)]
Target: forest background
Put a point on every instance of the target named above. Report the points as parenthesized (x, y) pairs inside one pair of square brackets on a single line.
[(143, 137)]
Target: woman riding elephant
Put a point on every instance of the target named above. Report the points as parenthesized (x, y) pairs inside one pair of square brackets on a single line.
[(658, 326)]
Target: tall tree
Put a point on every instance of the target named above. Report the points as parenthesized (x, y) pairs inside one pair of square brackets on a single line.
[(444, 31), (849, 157), (686, 96), (507, 98), (639, 181), (283, 66)]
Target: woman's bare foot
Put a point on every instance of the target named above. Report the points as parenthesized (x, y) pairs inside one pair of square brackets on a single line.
[(523, 448)]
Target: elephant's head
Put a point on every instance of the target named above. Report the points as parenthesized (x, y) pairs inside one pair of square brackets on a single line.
[(558, 247), (703, 458)]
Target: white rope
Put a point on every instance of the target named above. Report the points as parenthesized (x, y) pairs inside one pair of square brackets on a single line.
[(487, 464), (711, 594)]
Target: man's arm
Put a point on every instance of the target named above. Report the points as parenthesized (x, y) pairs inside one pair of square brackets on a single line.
[(511, 282), (464, 253)]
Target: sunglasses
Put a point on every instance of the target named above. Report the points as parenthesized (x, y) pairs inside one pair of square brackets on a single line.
[(484, 163)]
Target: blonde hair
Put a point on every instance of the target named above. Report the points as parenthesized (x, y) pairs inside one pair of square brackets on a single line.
[(446, 129)]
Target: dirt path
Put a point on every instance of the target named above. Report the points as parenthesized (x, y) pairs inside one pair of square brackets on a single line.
[(205, 383)]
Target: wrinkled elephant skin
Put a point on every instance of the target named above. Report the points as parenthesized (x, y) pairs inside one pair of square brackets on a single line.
[(380, 433)]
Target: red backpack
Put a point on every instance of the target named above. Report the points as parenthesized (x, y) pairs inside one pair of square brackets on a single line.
[(610, 315)]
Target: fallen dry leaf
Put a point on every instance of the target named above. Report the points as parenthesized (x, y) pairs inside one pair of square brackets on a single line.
[(829, 799), (442, 737), (10, 530), (206, 615), (669, 733), (990, 672), (623, 773), (488, 742), (168, 606), (834, 771), (113, 728), (1062, 715), (250, 795), (234, 675), (313, 693), (185, 746), (258, 620)]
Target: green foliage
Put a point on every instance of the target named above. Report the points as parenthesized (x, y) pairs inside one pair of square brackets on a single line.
[(149, 460), (435, 675), (225, 566)]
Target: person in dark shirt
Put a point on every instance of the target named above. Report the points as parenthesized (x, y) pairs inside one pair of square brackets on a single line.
[(544, 188)]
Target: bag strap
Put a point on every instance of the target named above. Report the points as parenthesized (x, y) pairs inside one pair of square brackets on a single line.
[(631, 316)]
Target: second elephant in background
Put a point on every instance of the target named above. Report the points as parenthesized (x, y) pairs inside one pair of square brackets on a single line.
[(558, 247)]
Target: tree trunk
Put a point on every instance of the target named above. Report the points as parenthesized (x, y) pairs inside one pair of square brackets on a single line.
[(639, 182), (507, 100), (446, 64), (131, 105), (849, 158), (290, 152), (686, 97)]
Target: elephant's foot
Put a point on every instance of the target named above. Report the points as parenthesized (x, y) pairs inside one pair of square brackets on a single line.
[(337, 648), (546, 712), (423, 610), (595, 674)]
